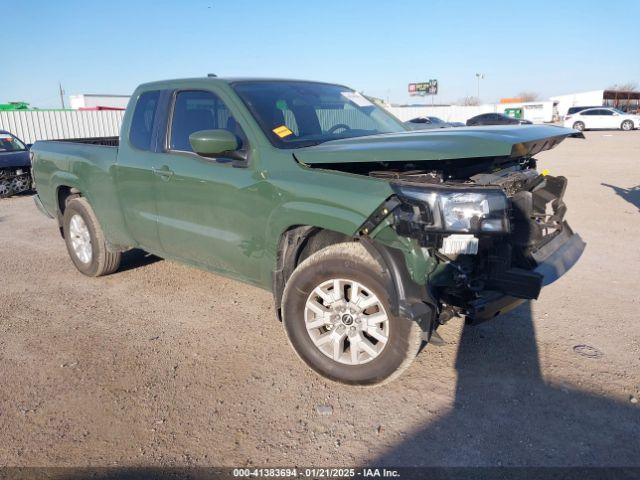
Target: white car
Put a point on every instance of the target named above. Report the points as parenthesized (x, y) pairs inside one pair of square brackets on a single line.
[(593, 118)]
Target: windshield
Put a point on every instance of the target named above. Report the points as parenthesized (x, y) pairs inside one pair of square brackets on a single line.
[(299, 114), (9, 143), (618, 111)]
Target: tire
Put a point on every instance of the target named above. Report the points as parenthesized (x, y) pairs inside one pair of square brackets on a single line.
[(627, 125), (578, 126), (81, 225), (373, 361)]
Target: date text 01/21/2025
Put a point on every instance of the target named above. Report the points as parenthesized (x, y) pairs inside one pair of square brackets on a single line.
[(314, 473)]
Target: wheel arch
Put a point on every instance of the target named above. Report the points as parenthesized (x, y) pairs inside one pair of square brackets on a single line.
[(408, 299), (65, 186), (294, 245)]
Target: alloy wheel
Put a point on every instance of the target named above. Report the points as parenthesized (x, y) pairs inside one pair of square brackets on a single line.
[(346, 321), (80, 239)]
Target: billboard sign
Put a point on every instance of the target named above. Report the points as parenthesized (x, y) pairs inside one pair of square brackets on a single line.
[(424, 88)]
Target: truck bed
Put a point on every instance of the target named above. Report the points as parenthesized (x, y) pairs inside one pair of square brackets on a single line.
[(85, 164)]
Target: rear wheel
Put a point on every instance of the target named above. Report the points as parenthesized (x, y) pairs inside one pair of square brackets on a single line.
[(85, 241), (578, 126), (627, 125), (336, 311)]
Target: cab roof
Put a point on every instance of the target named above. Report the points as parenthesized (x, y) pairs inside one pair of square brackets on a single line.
[(227, 80)]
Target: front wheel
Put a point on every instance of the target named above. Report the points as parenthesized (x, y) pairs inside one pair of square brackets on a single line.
[(85, 241), (578, 126), (337, 315), (627, 125)]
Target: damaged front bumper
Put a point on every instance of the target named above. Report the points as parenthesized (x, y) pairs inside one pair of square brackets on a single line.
[(555, 259)]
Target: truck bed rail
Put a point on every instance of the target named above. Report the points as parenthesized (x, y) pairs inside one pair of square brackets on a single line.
[(105, 141)]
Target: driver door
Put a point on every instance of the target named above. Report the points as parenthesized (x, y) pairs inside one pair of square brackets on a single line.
[(209, 212)]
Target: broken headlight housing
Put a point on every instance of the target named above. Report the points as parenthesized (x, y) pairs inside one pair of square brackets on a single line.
[(470, 210)]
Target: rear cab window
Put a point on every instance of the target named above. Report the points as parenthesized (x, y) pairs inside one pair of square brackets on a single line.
[(144, 117)]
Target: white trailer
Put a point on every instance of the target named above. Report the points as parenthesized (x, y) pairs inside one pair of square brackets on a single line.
[(593, 98), (537, 112)]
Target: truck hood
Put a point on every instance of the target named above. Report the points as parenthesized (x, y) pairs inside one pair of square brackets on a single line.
[(440, 144), (14, 159)]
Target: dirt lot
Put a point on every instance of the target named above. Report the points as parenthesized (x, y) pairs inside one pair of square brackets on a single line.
[(161, 364)]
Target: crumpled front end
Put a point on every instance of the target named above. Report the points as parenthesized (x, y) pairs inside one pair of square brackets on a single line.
[(493, 241)]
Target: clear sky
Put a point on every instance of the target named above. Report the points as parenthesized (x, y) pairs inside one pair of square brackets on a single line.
[(110, 46)]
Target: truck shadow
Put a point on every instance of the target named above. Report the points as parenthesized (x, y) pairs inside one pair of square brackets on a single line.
[(136, 258), (631, 195), (506, 414)]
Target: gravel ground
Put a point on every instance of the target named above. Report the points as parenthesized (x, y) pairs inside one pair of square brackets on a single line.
[(161, 364)]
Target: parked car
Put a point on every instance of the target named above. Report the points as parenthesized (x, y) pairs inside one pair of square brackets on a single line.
[(369, 236), (602, 118), (496, 119), (573, 110), (426, 123), (15, 167)]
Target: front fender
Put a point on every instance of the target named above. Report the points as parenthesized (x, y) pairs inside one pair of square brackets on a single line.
[(324, 216)]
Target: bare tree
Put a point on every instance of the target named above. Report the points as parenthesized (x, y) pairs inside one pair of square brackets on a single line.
[(469, 101), (624, 87), (528, 96)]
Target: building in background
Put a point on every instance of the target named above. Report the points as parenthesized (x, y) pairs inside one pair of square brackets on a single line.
[(90, 101)]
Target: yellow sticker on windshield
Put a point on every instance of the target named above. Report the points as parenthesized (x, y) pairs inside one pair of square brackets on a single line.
[(282, 131)]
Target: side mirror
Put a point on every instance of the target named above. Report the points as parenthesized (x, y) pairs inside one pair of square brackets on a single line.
[(211, 143)]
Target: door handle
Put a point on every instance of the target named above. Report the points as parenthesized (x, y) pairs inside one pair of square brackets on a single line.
[(165, 173)]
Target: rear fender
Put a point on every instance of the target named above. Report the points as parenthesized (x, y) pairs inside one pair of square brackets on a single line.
[(61, 179), (107, 211)]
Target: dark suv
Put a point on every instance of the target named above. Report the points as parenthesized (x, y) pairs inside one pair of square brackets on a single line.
[(15, 167), (496, 119)]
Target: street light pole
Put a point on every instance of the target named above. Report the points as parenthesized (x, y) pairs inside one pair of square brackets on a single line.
[(479, 76), (61, 95)]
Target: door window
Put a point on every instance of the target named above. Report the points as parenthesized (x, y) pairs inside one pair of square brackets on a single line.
[(144, 115), (200, 110)]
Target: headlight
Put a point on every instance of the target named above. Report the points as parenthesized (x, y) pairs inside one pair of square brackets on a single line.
[(461, 211)]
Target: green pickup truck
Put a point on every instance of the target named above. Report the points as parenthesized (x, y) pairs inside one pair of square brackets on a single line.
[(368, 235)]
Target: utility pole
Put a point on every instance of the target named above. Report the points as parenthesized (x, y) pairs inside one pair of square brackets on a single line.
[(479, 76), (61, 95)]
